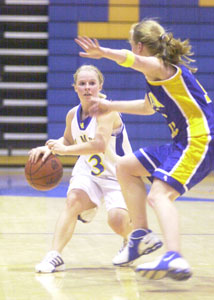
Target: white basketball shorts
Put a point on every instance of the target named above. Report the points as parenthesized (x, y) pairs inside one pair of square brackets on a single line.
[(99, 190)]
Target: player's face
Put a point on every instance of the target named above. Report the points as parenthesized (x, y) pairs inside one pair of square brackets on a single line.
[(87, 85)]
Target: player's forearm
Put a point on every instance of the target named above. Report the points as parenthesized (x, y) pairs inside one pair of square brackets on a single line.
[(119, 56), (87, 148), (63, 140), (136, 107)]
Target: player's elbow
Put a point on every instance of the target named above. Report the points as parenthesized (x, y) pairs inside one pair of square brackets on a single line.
[(100, 145)]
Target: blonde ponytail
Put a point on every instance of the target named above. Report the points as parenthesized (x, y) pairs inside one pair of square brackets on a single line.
[(162, 44)]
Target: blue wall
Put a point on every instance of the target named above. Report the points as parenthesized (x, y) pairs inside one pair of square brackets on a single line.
[(185, 18)]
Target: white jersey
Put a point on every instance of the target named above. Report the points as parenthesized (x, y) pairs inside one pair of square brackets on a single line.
[(102, 165)]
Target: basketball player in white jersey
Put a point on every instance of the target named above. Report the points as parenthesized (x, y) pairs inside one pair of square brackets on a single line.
[(99, 142)]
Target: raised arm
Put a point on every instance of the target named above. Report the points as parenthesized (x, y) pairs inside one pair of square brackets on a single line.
[(150, 66), (94, 50)]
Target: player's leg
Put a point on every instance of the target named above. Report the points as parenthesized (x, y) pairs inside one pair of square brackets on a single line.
[(172, 264), (175, 175), (129, 174), (161, 198), (142, 240), (119, 221), (77, 202), (83, 196)]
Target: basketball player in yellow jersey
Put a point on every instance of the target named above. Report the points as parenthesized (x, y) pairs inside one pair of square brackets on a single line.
[(99, 142), (173, 91)]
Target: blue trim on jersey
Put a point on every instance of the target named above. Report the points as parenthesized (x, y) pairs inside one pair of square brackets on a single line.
[(119, 143), (119, 140), (82, 124)]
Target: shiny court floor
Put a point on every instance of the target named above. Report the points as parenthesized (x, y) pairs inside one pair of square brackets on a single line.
[(27, 220)]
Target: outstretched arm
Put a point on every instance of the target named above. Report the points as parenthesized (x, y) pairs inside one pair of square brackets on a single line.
[(136, 107), (150, 66), (93, 49)]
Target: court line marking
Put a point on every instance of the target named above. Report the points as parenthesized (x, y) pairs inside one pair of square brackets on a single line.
[(94, 233), (181, 198)]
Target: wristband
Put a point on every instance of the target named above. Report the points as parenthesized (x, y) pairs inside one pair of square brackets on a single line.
[(130, 59)]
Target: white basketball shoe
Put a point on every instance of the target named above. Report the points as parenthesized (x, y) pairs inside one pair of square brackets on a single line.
[(171, 265), (51, 263), (141, 242)]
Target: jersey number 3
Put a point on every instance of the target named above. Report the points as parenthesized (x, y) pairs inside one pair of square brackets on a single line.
[(98, 168)]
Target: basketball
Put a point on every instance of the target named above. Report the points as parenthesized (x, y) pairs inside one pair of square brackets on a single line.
[(44, 176)]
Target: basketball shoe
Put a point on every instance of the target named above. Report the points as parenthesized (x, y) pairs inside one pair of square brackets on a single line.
[(124, 245), (51, 263), (171, 265), (141, 242)]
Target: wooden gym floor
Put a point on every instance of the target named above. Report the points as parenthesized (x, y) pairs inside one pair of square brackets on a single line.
[(27, 220)]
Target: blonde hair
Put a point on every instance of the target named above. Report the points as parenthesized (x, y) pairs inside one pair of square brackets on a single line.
[(90, 68), (162, 44)]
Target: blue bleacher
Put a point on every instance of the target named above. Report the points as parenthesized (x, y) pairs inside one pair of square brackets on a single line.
[(75, 13), (81, 3), (112, 80)]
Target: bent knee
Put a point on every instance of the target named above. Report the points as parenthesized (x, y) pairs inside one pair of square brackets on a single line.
[(79, 201), (151, 200), (159, 198), (119, 220), (161, 192), (73, 202)]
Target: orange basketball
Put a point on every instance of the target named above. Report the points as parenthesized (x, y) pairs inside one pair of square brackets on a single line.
[(44, 176)]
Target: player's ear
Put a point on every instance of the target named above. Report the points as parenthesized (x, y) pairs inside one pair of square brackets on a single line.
[(140, 46), (75, 88)]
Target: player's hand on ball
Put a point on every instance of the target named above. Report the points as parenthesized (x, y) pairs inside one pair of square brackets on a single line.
[(35, 153), (56, 147), (44, 176)]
